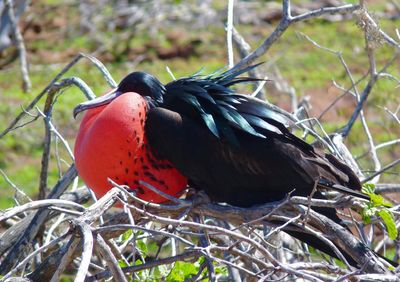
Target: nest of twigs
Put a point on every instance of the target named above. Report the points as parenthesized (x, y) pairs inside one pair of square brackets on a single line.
[(146, 241)]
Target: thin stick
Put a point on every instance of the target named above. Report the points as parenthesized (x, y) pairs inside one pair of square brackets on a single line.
[(75, 60), (31, 255), (24, 241), (110, 259), (86, 233), (284, 23), (39, 204), (229, 36), (69, 248), (20, 46), (15, 187), (385, 168)]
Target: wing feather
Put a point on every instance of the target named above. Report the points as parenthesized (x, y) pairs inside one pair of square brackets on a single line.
[(264, 170)]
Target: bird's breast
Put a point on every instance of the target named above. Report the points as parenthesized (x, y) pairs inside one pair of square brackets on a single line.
[(111, 143)]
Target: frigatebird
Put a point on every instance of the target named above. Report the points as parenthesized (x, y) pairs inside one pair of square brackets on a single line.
[(199, 131)]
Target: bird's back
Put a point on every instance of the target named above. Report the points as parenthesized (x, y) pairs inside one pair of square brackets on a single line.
[(255, 171)]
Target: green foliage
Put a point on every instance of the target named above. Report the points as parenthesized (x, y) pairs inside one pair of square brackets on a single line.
[(222, 270), (177, 271), (182, 270), (126, 235), (388, 219), (142, 246), (378, 206), (122, 263), (377, 200)]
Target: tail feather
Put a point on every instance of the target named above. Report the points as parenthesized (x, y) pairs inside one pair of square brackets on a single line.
[(342, 189), (322, 246)]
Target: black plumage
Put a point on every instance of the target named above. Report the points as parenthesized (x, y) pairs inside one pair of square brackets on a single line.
[(233, 146)]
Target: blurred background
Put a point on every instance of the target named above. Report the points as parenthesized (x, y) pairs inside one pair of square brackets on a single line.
[(186, 36)]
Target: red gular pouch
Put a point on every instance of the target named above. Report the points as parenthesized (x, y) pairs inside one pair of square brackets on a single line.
[(111, 143)]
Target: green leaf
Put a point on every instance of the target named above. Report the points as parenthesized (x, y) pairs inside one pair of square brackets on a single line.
[(366, 219), (222, 270), (387, 203), (181, 271), (138, 262), (126, 235), (370, 209), (390, 223), (122, 263), (142, 246), (152, 248), (368, 188), (368, 212), (377, 200)]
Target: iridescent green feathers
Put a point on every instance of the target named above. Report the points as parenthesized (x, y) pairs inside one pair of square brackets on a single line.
[(222, 109)]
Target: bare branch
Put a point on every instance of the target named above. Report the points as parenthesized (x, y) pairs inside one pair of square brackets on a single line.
[(96, 62), (24, 242), (110, 259), (285, 22), (20, 45), (86, 233), (31, 255), (36, 205), (69, 248), (229, 31), (385, 168)]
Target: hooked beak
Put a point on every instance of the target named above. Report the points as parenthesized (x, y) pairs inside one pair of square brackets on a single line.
[(97, 102)]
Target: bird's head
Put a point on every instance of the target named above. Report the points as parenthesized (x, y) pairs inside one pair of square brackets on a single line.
[(141, 83)]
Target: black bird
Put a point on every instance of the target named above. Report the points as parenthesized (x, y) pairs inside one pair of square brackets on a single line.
[(230, 145)]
